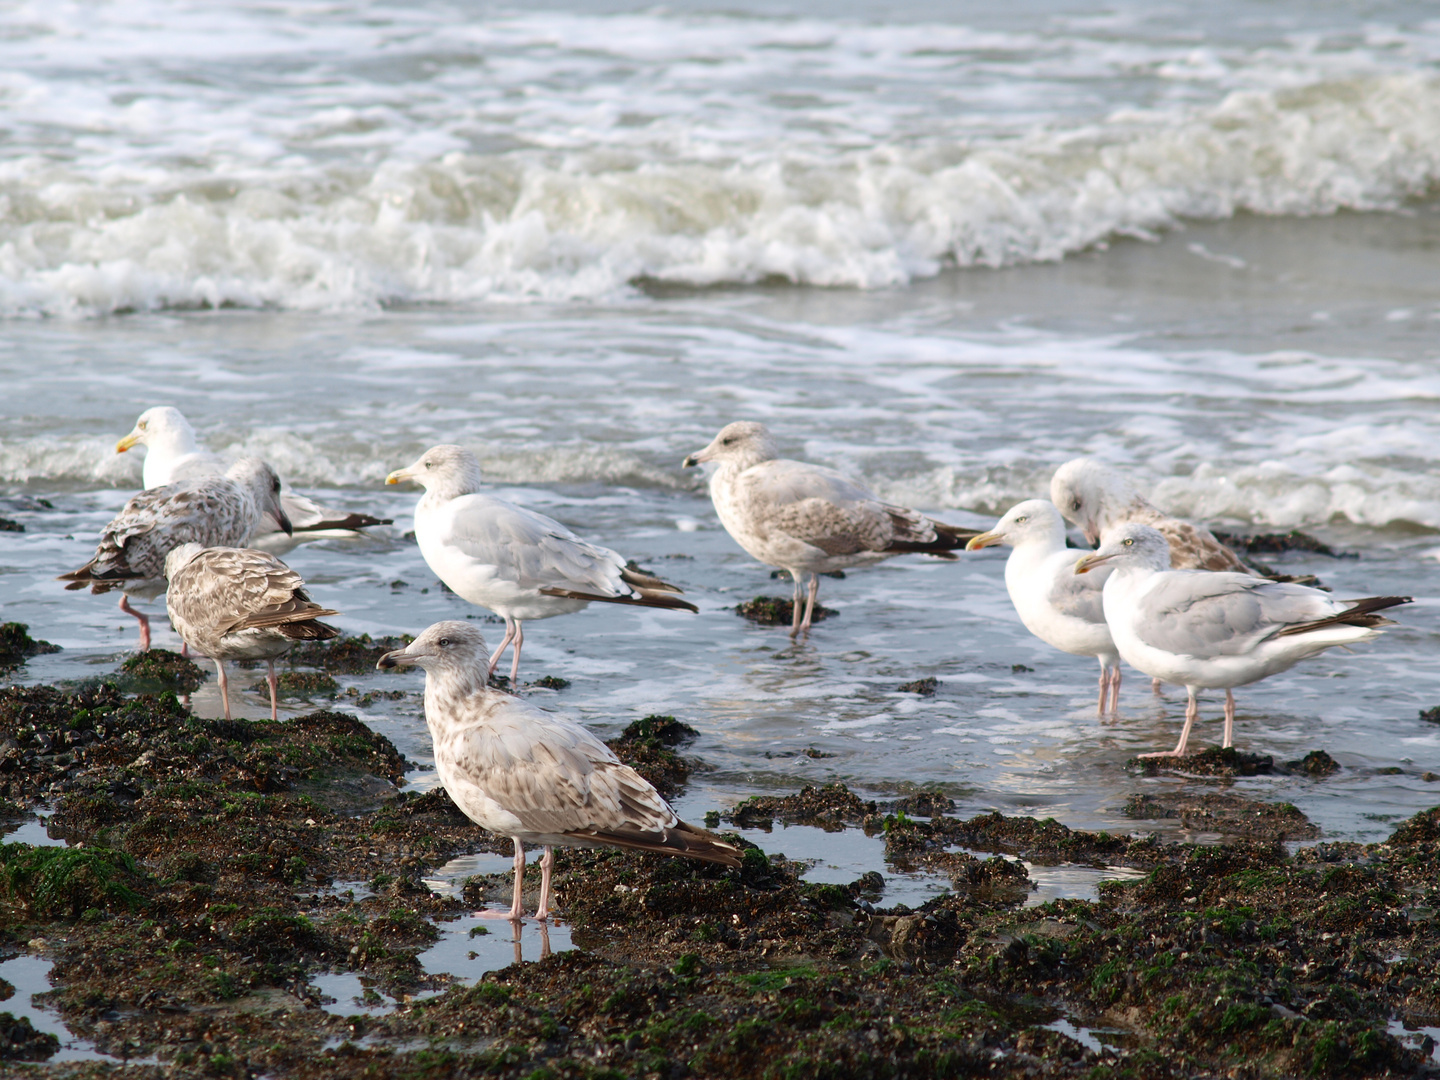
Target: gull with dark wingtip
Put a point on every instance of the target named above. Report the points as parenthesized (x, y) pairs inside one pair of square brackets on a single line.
[(533, 776)]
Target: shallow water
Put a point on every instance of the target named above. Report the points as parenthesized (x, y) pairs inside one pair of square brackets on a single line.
[(944, 253)]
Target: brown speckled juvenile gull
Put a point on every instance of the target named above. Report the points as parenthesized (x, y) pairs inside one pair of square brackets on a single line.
[(219, 511), (231, 603), (1096, 497), (808, 519), (533, 776), (519, 564), (174, 453)]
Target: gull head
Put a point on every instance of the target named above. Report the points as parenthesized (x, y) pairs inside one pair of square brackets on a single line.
[(261, 481), (1130, 545), (742, 444), (451, 649), (161, 426), (1027, 522), (447, 470), (179, 557), (1088, 492)]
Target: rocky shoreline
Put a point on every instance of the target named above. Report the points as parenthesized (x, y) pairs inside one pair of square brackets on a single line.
[(215, 868)]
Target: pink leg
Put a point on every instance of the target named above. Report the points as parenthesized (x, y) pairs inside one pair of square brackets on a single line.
[(795, 605), (224, 687), (1192, 712), (144, 622), (504, 644), (270, 678), (1229, 719), (1115, 689), (517, 907), (1155, 686), (547, 862), (184, 648), (544, 940), (810, 603), (515, 657), (1104, 689)]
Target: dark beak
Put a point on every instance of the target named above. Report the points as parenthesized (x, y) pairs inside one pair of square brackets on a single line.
[(391, 660), (690, 462), (284, 522)]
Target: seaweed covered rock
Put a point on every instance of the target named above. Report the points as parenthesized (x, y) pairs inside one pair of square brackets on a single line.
[(830, 807), (1225, 812), (40, 883), (157, 670), (646, 745), (17, 646), (345, 655), (1212, 761), (778, 611), (301, 684), (19, 1041)]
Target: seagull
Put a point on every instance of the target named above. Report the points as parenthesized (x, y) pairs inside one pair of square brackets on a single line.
[(1095, 496), (232, 603), (1217, 630), (1060, 607), (174, 453), (533, 776), (214, 512), (808, 519), (519, 564)]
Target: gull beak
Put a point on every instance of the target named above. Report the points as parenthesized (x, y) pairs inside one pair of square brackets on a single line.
[(1092, 533), (283, 521), (693, 460), (984, 540), (127, 442), (400, 658), (397, 476), (1089, 562)]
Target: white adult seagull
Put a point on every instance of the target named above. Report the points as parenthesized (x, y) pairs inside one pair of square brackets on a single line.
[(174, 453), (519, 564), (218, 511), (533, 776), (1060, 607), (1216, 631), (808, 519)]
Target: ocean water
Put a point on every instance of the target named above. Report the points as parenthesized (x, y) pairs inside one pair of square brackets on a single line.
[(944, 250)]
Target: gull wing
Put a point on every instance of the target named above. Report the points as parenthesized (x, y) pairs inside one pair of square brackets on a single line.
[(1204, 614)]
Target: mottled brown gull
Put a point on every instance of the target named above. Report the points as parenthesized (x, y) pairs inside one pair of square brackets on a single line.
[(218, 511), (808, 519), (519, 564), (533, 776), (1217, 630), (1057, 605), (174, 453), (232, 603)]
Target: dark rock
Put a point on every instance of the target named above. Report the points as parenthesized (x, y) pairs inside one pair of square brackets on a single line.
[(1213, 761), (551, 682), (1226, 813), (17, 646), (777, 611), (6, 525), (156, 670), (345, 655), (831, 807), (924, 804), (645, 745), (924, 687), (1316, 763), (1020, 669), (300, 684), (1431, 716), (19, 1041)]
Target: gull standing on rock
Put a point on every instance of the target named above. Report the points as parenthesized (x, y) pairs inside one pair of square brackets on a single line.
[(808, 519), (219, 511), (519, 564), (232, 603), (1216, 631), (1057, 605), (532, 776), (174, 453)]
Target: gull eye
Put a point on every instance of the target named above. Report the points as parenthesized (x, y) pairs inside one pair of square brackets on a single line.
[(143, 424), (429, 464), (1129, 541), (1075, 505), (728, 441), (444, 643), (1021, 520)]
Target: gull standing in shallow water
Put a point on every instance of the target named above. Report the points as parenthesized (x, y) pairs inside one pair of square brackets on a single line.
[(808, 519), (533, 776), (174, 453), (219, 511), (1217, 630), (231, 603), (1057, 605), (519, 564)]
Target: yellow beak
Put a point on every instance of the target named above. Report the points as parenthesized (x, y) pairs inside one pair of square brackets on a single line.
[(1089, 562), (396, 476), (984, 540), (127, 442)]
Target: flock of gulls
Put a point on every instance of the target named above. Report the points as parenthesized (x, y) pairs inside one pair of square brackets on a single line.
[(1163, 595)]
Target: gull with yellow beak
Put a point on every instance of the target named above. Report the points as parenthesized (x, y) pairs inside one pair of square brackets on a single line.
[(1216, 630), (519, 564), (1060, 607)]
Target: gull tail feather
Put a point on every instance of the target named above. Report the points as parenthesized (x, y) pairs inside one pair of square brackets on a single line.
[(679, 839), (637, 578), (942, 542), (1362, 614), (646, 598)]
